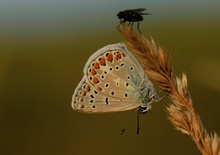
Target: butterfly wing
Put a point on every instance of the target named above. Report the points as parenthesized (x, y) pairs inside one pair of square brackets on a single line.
[(111, 82)]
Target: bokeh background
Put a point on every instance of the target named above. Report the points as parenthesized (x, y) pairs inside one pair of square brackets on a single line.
[(44, 45)]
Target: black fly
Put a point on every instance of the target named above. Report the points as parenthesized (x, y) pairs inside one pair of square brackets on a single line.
[(132, 16)]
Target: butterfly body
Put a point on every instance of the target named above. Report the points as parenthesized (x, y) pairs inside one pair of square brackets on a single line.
[(113, 81)]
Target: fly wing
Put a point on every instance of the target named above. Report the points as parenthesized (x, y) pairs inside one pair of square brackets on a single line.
[(139, 11)]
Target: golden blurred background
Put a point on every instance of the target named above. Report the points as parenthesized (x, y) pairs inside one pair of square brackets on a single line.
[(44, 45)]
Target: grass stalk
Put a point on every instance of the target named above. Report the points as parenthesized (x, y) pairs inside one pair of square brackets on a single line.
[(181, 113)]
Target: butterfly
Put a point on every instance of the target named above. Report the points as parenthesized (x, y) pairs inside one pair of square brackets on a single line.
[(113, 81)]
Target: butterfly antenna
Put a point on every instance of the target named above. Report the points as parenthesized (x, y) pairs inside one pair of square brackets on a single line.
[(138, 126), (129, 121)]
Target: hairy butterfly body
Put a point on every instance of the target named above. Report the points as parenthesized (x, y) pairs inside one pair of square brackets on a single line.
[(113, 81)]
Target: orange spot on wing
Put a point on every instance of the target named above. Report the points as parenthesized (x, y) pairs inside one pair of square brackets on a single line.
[(109, 57), (87, 89), (118, 56), (96, 66), (81, 99), (93, 72), (102, 62), (99, 89), (83, 93), (95, 80)]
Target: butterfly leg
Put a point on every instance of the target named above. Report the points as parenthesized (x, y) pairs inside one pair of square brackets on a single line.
[(141, 86), (160, 98), (138, 121), (156, 97), (142, 110), (129, 121)]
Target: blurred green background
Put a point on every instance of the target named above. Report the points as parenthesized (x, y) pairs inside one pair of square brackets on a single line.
[(44, 45)]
